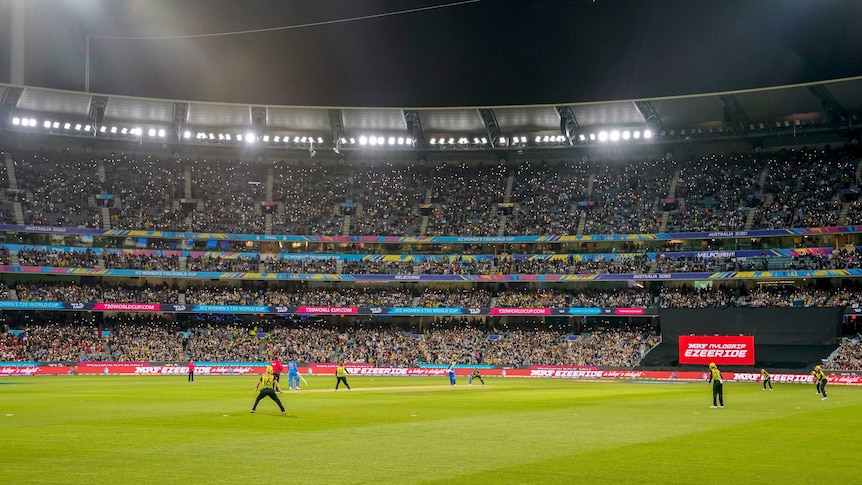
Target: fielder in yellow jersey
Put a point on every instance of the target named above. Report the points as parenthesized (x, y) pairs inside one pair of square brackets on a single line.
[(717, 386), (268, 387)]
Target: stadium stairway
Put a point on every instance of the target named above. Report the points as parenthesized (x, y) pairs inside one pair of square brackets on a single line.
[(106, 218), (19, 213), (270, 182), (187, 177), (10, 172)]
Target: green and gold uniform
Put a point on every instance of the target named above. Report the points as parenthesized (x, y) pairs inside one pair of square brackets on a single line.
[(766, 378), (341, 376), (268, 387), (717, 386), (821, 380), (475, 375)]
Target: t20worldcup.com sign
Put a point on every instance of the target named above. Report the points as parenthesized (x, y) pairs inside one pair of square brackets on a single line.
[(724, 349)]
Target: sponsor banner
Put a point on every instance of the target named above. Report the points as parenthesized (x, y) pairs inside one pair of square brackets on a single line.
[(563, 367), (127, 307), (520, 311), (554, 372), (722, 349), (328, 310)]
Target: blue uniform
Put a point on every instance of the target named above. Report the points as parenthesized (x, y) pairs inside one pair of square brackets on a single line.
[(451, 372), (292, 375)]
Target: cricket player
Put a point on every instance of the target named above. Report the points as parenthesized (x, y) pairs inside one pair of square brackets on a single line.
[(341, 376), (451, 372), (475, 375), (766, 378), (292, 375), (268, 387), (717, 386), (820, 378)]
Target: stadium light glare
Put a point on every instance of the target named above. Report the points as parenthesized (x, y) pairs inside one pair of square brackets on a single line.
[(113, 130), (433, 141), (55, 125), (353, 141), (78, 127), (391, 140), (16, 121), (87, 128), (67, 126), (372, 141), (319, 139), (636, 135), (400, 140), (582, 137), (266, 138), (603, 136), (451, 141), (303, 139), (523, 139), (363, 140), (343, 140), (626, 135), (238, 137), (151, 132), (296, 139), (187, 134), (46, 124), (212, 136), (250, 138), (161, 132), (484, 141), (615, 135), (647, 134), (125, 131)]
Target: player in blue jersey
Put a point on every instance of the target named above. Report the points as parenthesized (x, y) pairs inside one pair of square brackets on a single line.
[(451, 372), (292, 375)]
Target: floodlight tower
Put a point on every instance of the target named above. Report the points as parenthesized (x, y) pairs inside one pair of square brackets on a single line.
[(17, 52)]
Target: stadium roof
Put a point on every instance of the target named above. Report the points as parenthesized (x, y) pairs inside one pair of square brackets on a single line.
[(828, 105)]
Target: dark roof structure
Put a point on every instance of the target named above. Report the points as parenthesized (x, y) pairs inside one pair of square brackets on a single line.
[(830, 106)]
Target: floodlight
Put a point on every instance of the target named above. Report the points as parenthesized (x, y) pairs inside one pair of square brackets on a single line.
[(391, 140), (636, 134), (187, 134), (592, 137), (603, 136), (46, 124), (615, 135), (67, 126), (626, 135), (124, 131), (363, 140), (433, 141), (78, 127), (372, 140), (56, 125), (266, 138), (16, 121), (87, 128), (451, 141), (161, 132), (303, 139), (151, 132), (582, 137), (647, 134), (400, 140), (113, 129), (319, 139), (484, 141)]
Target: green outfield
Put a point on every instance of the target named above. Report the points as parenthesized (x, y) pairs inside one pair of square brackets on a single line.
[(161, 429)]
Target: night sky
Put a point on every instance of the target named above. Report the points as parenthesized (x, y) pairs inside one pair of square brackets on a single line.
[(482, 53)]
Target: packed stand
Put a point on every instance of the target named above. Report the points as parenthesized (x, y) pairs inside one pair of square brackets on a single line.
[(377, 266), (848, 356), (60, 192), (215, 263), (310, 198), (146, 193), (232, 192), (455, 265), (63, 259), (323, 265), (466, 199), (143, 260), (546, 199), (387, 200)]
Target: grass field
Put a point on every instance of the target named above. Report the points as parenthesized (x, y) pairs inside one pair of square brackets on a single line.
[(161, 429)]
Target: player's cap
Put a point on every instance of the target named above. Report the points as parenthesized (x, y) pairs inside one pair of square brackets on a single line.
[(269, 369), (817, 367), (712, 364)]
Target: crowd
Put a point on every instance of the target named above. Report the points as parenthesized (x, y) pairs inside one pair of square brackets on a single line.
[(801, 188), (215, 262), (306, 265), (141, 260), (474, 296), (83, 258), (848, 356), (151, 338)]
